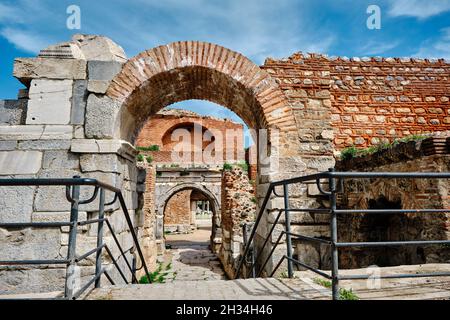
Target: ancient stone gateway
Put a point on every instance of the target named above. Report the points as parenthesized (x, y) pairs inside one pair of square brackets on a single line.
[(85, 103)]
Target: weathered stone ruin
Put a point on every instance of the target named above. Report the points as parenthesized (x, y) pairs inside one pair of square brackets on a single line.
[(85, 104)]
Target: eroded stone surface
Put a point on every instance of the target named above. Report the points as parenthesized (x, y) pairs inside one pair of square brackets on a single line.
[(49, 102), (20, 162)]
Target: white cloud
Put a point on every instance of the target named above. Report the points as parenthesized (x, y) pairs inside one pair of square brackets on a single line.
[(377, 48), (9, 14), (421, 9), (24, 40), (439, 48)]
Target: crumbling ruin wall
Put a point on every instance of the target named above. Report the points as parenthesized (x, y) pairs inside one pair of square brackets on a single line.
[(238, 207), (396, 194), (146, 191)]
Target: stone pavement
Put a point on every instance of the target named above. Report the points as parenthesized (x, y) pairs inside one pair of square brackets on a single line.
[(243, 289), (305, 286), (190, 258)]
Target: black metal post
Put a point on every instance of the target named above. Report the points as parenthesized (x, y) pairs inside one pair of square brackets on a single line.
[(253, 253), (71, 251), (133, 269), (333, 232), (288, 231), (98, 258)]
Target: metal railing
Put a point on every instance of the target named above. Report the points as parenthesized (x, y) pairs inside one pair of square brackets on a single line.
[(73, 186), (335, 182)]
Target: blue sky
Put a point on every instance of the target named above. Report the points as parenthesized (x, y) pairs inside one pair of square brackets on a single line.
[(256, 28)]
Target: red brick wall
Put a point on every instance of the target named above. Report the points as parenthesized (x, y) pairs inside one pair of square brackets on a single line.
[(178, 208), (371, 100), (157, 131)]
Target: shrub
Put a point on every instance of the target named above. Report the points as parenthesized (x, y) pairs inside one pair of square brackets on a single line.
[(156, 276), (149, 159), (227, 166), (153, 147), (140, 157), (349, 153), (345, 294), (243, 165)]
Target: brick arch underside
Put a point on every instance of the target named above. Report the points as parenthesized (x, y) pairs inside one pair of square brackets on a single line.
[(194, 70)]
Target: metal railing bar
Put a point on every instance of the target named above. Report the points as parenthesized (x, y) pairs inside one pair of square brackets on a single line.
[(394, 276), (133, 233), (267, 238), (94, 195), (271, 253), (116, 265), (304, 265), (313, 239), (311, 177), (112, 201), (109, 278), (390, 211), (407, 175), (390, 243), (83, 223), (32, 262), (278, 265), (58, 182), (318, 210), (87, 254), (34, 225), (252, 234), (319, 187), (120, 247), (87, 285)]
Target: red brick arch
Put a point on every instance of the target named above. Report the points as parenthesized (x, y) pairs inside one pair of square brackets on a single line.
[(187, 70)]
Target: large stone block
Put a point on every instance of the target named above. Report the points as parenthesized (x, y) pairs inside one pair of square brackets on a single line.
[(45, 145), (36, 132), (8, 145), (60, 159), (101, 73), (26, 69), (16, 204), (79, 100), (56, 216), (20, 162), (30, 244), (100, 117), (103, 70), (99, 48), (32, 280), (49, 102), (100, 162), (121, 147), (12, 112)]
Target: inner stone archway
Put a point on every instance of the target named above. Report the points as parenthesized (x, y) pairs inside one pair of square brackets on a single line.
[(180, 71)]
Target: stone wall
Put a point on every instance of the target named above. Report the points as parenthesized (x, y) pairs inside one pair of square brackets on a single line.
[(238, 207), (44, 135), (396, 194), (146, 191)]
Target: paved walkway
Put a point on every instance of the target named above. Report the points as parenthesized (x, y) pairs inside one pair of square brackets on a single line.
[(307, 286), (190, 259), (248, 289)]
